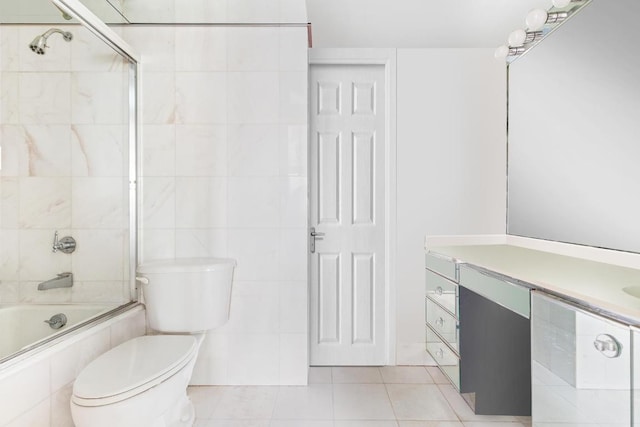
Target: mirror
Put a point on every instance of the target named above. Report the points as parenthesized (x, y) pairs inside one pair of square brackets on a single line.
[(574, 131), (43, 12)]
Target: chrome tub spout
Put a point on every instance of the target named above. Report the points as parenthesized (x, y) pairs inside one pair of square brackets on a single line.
[(64, 280)]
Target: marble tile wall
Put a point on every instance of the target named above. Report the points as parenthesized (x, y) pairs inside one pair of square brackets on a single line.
[(224, 174), (62, 135)]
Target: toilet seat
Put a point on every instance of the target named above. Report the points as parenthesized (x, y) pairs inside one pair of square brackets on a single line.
[(132, 368)]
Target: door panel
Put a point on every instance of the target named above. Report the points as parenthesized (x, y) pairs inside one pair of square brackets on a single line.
[(347, 204)]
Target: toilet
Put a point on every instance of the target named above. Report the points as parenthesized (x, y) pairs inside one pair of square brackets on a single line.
[(143, 382)]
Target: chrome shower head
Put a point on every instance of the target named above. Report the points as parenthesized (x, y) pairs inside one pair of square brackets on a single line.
[(39, 44)]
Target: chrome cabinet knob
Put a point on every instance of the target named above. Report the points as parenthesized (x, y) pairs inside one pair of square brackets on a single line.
[(440, 322), (439, 290), (608, 346)]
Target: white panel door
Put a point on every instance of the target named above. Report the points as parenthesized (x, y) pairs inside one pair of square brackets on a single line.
[(348, 303)]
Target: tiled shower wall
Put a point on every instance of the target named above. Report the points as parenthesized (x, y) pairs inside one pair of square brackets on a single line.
[(224, 174), (63, 167)]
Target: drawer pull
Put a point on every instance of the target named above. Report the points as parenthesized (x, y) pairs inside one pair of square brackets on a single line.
[(608, 346), (440, 353), (439, 290), (440, 322)]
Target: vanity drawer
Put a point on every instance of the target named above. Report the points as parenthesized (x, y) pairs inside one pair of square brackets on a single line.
[(442, 322), (442, 265), (513, 297), (443, 291), (447, 360)]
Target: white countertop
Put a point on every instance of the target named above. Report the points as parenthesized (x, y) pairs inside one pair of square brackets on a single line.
[(591, 283)]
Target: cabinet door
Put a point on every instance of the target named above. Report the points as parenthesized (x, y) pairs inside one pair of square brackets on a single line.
[(581, 367)]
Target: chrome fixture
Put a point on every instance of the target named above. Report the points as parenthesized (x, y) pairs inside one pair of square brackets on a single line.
[(57, 321), (63, 280), (314, 236), (539, 23), (39, 44), (65, 245)]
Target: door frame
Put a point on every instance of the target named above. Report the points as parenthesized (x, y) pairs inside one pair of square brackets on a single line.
[(387, 58)]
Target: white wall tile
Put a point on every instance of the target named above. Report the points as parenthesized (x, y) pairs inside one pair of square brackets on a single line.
[(9, 56), (99, 255), (98, 150), (293, 202), (158, 202), (44, 98), (293, 150), (293, 307), (201, 150), (98, 292), (128, 328), (88, 53), (253, 49), (253, 97), (60, 409), (29, 293), (294, 359), (156, 44), (97, 97), (97, 203), (14, 150), (37, 261), (209, 42), (252, 11), (45, 202), (252, 150), (253, 202), (23, 390), (9, 292), (158, 97), (157, 243), (200, 202), (39, 416), (201, 97), (201, 242), (9, 98), (293, 253), (293, 48), (254, 359), (47, 149), (256, 252), (293, 97), (254, 308), (9, 255), (9, 203), (158, 150)]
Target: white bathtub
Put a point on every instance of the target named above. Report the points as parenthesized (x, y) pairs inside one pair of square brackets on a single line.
[(23, 326)]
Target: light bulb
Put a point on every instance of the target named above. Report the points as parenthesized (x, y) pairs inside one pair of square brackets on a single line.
[(536, 19), (517, 37), (560, 3), (501, 52)]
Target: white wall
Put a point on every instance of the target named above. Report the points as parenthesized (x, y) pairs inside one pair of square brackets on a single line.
[(224, 174), (451, 170)]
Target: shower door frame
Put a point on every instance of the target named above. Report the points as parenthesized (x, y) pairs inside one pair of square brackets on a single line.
[(90, 21)]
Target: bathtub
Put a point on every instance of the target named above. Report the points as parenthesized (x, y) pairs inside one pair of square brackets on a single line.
[(23, 326)]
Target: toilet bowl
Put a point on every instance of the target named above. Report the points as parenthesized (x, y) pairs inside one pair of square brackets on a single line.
[(143, 382)]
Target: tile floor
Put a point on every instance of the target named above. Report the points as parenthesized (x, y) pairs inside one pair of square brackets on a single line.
[(392, 396)]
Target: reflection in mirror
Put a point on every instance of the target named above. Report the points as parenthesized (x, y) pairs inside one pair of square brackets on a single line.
[(574, 131), (43, 11)]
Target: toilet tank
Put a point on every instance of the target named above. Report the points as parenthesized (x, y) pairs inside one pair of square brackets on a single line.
[(186, 295)]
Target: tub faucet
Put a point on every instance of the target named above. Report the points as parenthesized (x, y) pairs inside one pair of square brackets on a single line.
[(64, 280)]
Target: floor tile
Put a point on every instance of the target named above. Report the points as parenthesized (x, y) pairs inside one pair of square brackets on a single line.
[(464, 411), (205, 399), (405, 375), (437, 375), (356, 375), (319, 375), (301, 423), (366, 423), (246, 402), (420, 402), (361, 402), (490, 424), (430, 424), (232, 423), (313, 402)]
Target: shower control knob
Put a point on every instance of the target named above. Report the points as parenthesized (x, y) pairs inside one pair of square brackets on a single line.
[(65, 245)]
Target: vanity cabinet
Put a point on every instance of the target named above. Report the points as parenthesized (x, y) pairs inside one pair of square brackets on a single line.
[(581, 366), (441, 315)]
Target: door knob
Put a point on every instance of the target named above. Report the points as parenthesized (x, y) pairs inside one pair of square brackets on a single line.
[(314, 236)]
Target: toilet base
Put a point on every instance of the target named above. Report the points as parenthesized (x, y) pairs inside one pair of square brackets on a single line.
[(165, 405)]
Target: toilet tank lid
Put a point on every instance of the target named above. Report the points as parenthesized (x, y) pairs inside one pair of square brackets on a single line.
[(179, 265)]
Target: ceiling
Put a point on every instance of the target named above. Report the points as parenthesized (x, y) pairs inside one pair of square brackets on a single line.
[(417, 23)]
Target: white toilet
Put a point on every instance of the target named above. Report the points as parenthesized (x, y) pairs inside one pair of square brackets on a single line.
[(143, 382)]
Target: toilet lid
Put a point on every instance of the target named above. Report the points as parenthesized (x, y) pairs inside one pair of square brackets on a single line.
[(132, 367)]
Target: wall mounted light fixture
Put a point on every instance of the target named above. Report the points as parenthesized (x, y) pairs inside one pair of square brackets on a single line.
[(539, 23)]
